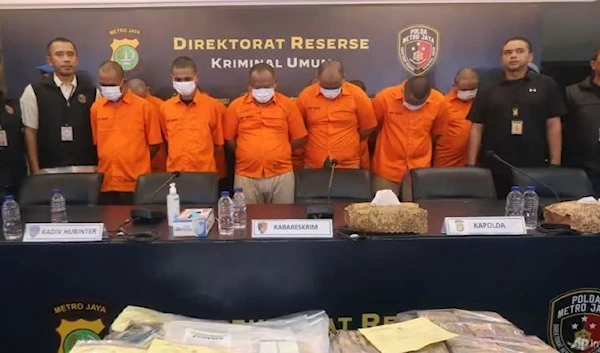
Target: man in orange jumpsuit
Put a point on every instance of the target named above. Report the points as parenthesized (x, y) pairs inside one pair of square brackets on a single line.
[(338, 115), (140, 88), (451, 147), (262, 126), (191, 122), (411, 117), (126, 132)]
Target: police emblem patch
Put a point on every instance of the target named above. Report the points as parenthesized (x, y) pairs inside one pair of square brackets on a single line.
[(34, 231), (81, 98), (79, 321), (124, 47), (418, 48), (9, 109), (574, 321), (262, 227), (460, 226)]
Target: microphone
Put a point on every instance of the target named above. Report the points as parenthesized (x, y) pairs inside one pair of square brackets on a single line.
[(324, 211), (146, 215), (494, 155)]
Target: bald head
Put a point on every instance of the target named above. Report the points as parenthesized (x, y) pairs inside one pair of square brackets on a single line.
[(331, 74), (112, 67), (111, 74), (138, 87), (466, 79), (417, 90)]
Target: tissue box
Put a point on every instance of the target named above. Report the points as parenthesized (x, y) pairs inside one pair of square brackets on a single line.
[(194, 222), (407, 217), (582, 217)]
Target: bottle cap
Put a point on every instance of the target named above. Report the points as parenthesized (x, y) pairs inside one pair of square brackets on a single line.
[(224, 193), (515, 188), (530, 188), (56, 191), (172, 189), (9, 198), (239, 189)]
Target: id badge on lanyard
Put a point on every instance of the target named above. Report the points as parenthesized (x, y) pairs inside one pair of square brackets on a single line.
[(516, 124), (66, 133), (3, 138)]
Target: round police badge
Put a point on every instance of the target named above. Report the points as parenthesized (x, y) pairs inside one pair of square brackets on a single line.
[(575, 321), (127, 57), (82, 98), (79, 335), (9, 109), (418, 48)]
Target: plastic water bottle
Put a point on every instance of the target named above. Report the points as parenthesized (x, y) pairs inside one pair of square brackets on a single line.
[(530, 210), (225, 208), (58, 208), (239, 209), (173, 206), (514, 203), (12, 228)]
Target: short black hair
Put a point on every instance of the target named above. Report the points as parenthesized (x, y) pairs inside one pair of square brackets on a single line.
[(260, 67), (596, 54), (335, 63), (112, 65), (359, 83), (184, 62), (59, 40), (419, 86), (522, 39)]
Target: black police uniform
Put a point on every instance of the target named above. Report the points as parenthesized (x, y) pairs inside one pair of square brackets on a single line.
[(55, 112), (582, 130), (12, 147), (514, 114)]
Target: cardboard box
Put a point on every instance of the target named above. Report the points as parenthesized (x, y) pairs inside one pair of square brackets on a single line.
[(194, 222)]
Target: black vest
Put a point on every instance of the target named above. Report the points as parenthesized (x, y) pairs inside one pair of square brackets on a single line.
[(54, 113), (12, 157)]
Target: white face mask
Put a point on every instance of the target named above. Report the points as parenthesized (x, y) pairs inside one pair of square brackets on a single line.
[(466, 95), (413, 107), (112, 93), (185, 88), (330, 93), (263, 95)]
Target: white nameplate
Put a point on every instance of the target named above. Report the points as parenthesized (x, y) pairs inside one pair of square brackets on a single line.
[(63, 232), (292, 228), (484, 226)]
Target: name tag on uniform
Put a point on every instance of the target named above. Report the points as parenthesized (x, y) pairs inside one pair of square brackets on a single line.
[(516, 127), (66, 133), (3, 139)]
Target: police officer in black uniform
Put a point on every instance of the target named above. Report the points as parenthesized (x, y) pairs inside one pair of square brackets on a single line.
[(12, 146), (56, 116), (582, 125), (518, 118)]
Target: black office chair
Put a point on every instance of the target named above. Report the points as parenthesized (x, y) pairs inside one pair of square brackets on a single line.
[(452, 183), (77, 188), (569, 183), (192, 187), (349, 185)]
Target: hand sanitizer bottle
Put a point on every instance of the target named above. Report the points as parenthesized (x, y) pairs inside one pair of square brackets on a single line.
[(172, 204)]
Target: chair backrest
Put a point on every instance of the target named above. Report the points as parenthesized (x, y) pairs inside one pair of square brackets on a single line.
[(349, 185), (77, 188), (452, 183), (569, 183), (192, 187)]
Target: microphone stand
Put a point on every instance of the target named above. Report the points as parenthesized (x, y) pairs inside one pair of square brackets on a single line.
[(323, 211)]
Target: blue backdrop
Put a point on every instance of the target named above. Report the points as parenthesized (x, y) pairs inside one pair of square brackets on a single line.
[(469, 36)]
